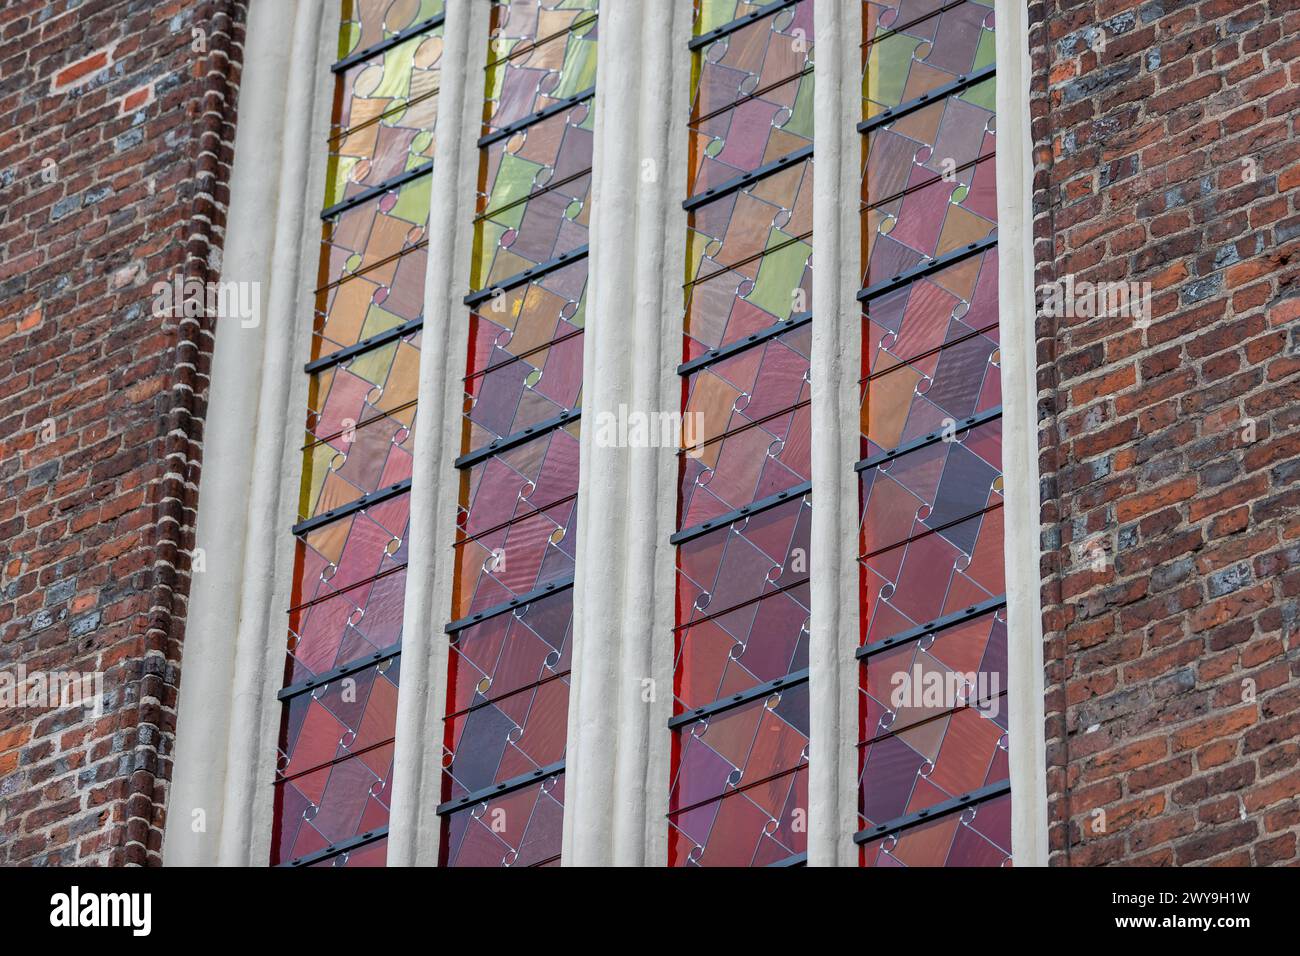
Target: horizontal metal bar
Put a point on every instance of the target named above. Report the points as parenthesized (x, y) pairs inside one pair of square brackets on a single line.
[(934, 627), (365, 501), (338, 849), (735, 266), (924, 269), (958, 85), (524, 47), (926, 184), (546, 590), (343, 670), (495, 211), (704, 39), (736, 183), (528, 275), (932, 529), (353, 59), (365, 345), (757, 93), (533, 118), (736, 700), (401, 179), (747, 511), (501, 789), (799, 859), (939, 810), (507, 442), (717, 355), (983, 418)]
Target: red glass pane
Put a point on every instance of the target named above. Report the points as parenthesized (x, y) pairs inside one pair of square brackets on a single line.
[(335, 761), (338, 627), (738, 780), (977, 836), (508, 690), (932, 709), (522, 828)]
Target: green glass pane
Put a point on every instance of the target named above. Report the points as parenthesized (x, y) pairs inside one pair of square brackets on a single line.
[(885, 77), (982, 94), (780, 274)]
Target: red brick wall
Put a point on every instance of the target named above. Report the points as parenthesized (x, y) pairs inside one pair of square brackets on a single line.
[(101, 404), (1170, 454)]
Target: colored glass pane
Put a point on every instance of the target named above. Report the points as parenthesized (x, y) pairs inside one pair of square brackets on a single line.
[(334, 771), (368, 22), (335, 762), (752, 97), (508, 680), (933, 617), (739, 791)]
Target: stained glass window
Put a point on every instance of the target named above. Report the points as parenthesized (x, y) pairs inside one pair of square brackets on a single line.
[(502, 796), (933, 768), (738, 793), (334, 766)]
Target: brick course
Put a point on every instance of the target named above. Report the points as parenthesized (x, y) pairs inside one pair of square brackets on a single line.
[(117, 118), (1168, 151)]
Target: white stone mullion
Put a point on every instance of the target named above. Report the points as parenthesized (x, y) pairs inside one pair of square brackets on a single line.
[(226, 728), (414, 829), (835, 361), (1027, 756), (273, 498), (616, 779)]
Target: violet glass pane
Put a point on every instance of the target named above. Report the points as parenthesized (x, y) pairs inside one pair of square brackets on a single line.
[(531, 71), (731, 653), (936, 719), (916, 53), (519, 482), (977, 836), (369, 237), (933, 575), (522, 828), (752, 97), (737, 781), (339, 627), (517, 532), (727, 570), (335, 761), (930, 488), (510, 653), (951, 138), (894, 681), (534, 206), (930, 393), (944, 308), (738, 230), (504, 737), (353, 548), (748, 427), (367, 22)]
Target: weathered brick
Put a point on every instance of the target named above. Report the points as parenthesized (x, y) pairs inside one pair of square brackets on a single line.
[(84, 233)]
